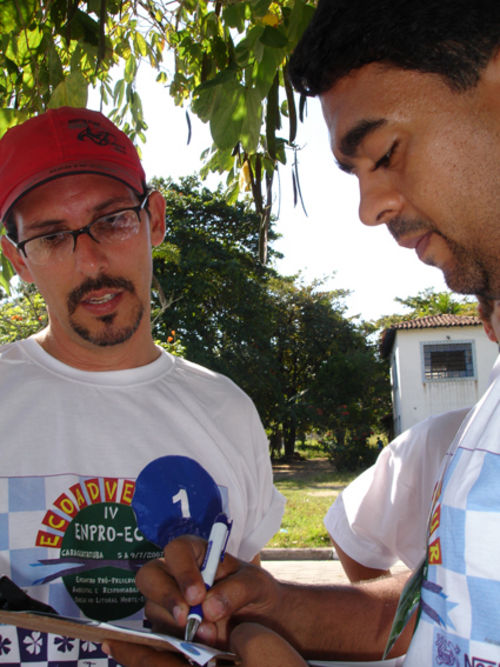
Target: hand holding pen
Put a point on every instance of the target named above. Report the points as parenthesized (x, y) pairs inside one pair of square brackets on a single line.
[(214, 554)]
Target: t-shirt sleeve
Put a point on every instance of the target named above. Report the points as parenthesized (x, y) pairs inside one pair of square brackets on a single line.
[(268, 525), (358, 523), (265, 503), (382, 516)]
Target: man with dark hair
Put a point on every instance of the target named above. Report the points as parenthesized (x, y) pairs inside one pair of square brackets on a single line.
[(411, 96)]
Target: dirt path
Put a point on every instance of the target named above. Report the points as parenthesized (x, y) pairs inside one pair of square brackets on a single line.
[(301, 469)]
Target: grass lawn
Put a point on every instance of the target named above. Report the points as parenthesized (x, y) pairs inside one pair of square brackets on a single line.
[(310, 487)]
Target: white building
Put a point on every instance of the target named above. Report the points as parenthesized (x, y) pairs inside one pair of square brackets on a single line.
[(438, 363)]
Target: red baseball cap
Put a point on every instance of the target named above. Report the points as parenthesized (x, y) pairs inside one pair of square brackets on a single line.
[(60, 142)]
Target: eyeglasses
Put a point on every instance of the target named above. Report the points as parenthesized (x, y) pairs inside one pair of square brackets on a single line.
[(111, 228)]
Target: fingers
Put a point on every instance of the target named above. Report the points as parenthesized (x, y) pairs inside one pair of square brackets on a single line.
[(172, 583), (245, 590), (135, 655), (257, 646)]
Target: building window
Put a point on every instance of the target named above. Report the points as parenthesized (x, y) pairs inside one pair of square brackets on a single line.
[(443, 361)]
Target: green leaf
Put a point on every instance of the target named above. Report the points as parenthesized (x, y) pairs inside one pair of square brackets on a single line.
[(228, 114), (273, 37), (265, 71), (6, 273), (140, 44), (71, 92), (250, 127), (300, 17), (55, 68), (232, 192), (84, 28), (205, 95), (26, 42), (11, 117), (260, 7), (234, 16), (130, 69), (250, 45), (119, 92), (14, 14)]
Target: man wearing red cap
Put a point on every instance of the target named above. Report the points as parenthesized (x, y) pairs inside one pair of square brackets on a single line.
[(90, 400)]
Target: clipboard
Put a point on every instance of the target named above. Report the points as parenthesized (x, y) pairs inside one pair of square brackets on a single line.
[(97, 631)]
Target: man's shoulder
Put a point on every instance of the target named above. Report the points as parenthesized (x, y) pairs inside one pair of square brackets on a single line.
[(205, 378), (14, 348), (436, 430)]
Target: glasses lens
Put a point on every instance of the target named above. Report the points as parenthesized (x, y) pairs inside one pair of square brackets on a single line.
[(49, 248), (56, 247), (116, 227)]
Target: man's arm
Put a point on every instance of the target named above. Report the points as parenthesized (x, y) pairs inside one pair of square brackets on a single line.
[(253, 644), (336, 621)]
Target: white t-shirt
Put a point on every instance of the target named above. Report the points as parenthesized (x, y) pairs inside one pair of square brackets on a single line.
[(73, 443), (381, 517), (459, 621)]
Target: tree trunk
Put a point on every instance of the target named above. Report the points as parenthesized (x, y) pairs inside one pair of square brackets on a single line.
[(290, 433)]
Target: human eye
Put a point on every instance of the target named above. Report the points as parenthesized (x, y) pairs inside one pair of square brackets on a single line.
[(115, 219), (385, 161), (51, 241), (116, 226)]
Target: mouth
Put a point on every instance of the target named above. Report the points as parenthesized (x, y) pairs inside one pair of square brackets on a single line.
[(99, 294), (102, 304), (100, 299), (418, 243)]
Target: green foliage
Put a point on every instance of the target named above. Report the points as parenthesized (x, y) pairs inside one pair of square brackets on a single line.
[(215, 288), (173, 345), (22, 315), (429, 302), (349, 450), (287, 345), (51, 52)]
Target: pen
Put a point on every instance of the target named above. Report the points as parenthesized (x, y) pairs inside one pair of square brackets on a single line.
[(216, 546)]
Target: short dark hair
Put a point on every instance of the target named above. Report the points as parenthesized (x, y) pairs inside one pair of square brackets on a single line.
[(453, 38)]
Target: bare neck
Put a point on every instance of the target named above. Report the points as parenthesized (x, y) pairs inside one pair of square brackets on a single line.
[(138, 351)]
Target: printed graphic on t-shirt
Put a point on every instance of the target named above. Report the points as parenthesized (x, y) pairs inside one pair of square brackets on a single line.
[(85, 539)]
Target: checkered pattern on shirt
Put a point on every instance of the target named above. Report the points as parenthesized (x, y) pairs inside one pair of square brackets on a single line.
[(464, 590), (23, 503)]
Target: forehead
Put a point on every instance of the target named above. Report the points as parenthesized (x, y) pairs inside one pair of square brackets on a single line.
[(382, 94), (87, 190)]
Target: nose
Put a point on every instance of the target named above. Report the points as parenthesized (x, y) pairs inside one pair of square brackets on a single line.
[(379, 199), (89, 255)]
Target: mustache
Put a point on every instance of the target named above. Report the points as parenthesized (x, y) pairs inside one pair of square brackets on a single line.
[(399, 227), (92, 284)]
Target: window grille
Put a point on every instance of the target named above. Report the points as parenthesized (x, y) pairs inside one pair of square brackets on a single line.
[(448, 361)]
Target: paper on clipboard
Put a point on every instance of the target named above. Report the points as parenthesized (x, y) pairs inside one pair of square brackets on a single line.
[(97, 631), (393, 662)]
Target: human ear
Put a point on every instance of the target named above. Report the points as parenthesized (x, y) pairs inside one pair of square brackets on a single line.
[(490, 76), (16, 258), (156, 209), (490, 331)]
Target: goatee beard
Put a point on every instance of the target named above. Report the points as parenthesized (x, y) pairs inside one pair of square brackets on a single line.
[(110, 335)]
